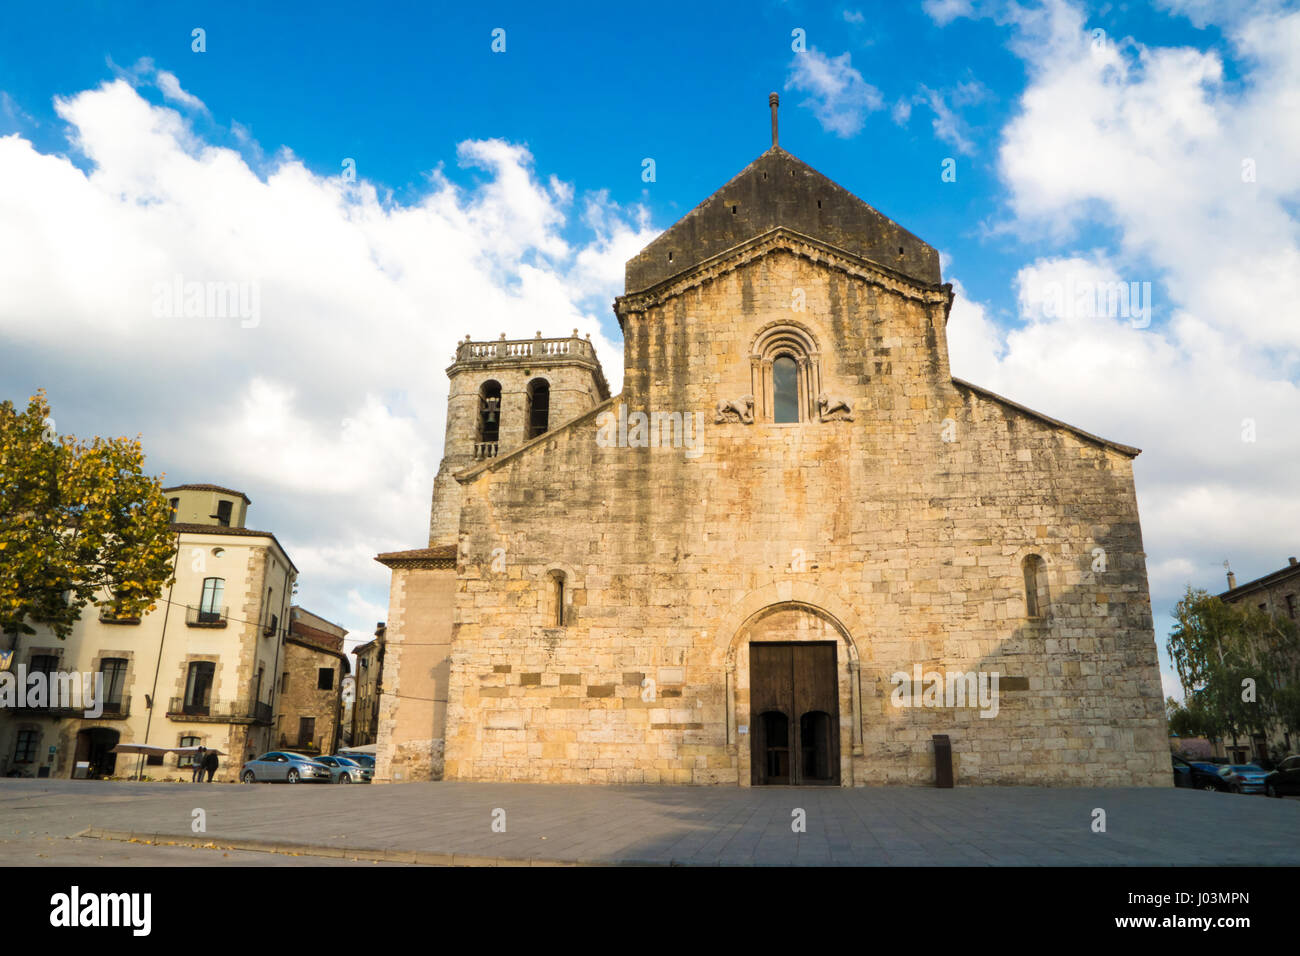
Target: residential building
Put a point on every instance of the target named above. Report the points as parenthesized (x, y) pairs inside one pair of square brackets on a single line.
[(307, 718), (199, 669), (369, 687), (1278, 594)]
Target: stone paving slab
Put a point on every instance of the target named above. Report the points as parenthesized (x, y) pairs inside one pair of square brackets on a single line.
[(547, 823)]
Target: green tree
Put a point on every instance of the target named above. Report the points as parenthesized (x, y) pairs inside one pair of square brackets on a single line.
[(79, 523), (1237, 665)]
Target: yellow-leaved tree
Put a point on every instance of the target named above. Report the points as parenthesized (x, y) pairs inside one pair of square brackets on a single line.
[(79, 523)]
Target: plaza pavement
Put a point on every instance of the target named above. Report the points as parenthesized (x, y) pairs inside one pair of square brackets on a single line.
[(44, 822)]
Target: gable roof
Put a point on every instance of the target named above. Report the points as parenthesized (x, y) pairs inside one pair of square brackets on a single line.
[(775, 190)]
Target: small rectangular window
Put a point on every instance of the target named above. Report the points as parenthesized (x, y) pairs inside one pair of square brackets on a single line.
[(175, 503), (325, 679), (223, 513)]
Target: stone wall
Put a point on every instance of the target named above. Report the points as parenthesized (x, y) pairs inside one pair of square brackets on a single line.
[(906, 527), (412, 706), (302, 697)]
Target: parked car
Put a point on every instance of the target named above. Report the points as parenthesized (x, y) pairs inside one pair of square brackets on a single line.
[(1285, 779), (366, 760), (1244, 777), (1197, 774), (281, 765), (346, 770)]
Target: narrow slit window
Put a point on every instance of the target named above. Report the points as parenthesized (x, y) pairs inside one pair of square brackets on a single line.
[(555, 599), (1036, 597)]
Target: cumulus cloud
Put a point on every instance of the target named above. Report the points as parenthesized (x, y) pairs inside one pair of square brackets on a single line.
[(1195, 178), (329, 409), (837, 93)]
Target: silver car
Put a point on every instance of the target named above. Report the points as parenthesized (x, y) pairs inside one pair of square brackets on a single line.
[(345, 770), (281, 766)]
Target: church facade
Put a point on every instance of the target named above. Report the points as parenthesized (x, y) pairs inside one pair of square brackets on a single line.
[(793, 550)]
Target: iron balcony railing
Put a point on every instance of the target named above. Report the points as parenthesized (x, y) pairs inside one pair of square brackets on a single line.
[(256, 711), (205, 617)]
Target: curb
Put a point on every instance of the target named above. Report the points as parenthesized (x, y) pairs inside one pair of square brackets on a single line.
[(413, 857)]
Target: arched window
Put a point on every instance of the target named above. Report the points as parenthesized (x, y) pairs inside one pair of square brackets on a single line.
[(539, 407), (555, 585), (785, 389), (785, 371), (1036, 596), (489, 420)]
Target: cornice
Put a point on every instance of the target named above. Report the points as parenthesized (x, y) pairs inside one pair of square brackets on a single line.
[(785, 239)]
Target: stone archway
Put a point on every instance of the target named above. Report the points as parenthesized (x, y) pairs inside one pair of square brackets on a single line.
[(794, 624)]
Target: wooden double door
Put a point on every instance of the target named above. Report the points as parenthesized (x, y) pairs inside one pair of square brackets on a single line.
[(794, 714)]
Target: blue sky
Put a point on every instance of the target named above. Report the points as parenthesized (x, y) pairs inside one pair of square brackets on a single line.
[(503, 191)]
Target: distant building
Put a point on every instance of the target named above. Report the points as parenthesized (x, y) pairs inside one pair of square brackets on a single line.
[(197, 670), (369, 687), (311, 683), (1278, 594)]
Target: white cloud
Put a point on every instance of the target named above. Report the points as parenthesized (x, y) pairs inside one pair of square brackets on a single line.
[(948, 124), (1148, 144), (171, 89), (838, 95), (943, 12), (329, 412)]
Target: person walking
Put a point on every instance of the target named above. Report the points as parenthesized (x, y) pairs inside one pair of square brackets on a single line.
[(197, 765), (210, 764)]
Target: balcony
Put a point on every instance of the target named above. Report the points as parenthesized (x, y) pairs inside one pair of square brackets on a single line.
[(198, 617), (117, 709), (219, 712), (109, 616), (485, 449)]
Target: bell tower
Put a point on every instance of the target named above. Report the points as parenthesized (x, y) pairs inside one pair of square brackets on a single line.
[(503, 394)]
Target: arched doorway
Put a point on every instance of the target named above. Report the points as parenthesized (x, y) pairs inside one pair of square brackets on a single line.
[(95, 757), (794, 690)]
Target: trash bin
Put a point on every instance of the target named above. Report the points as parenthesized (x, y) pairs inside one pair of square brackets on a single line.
[(942, 760)]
